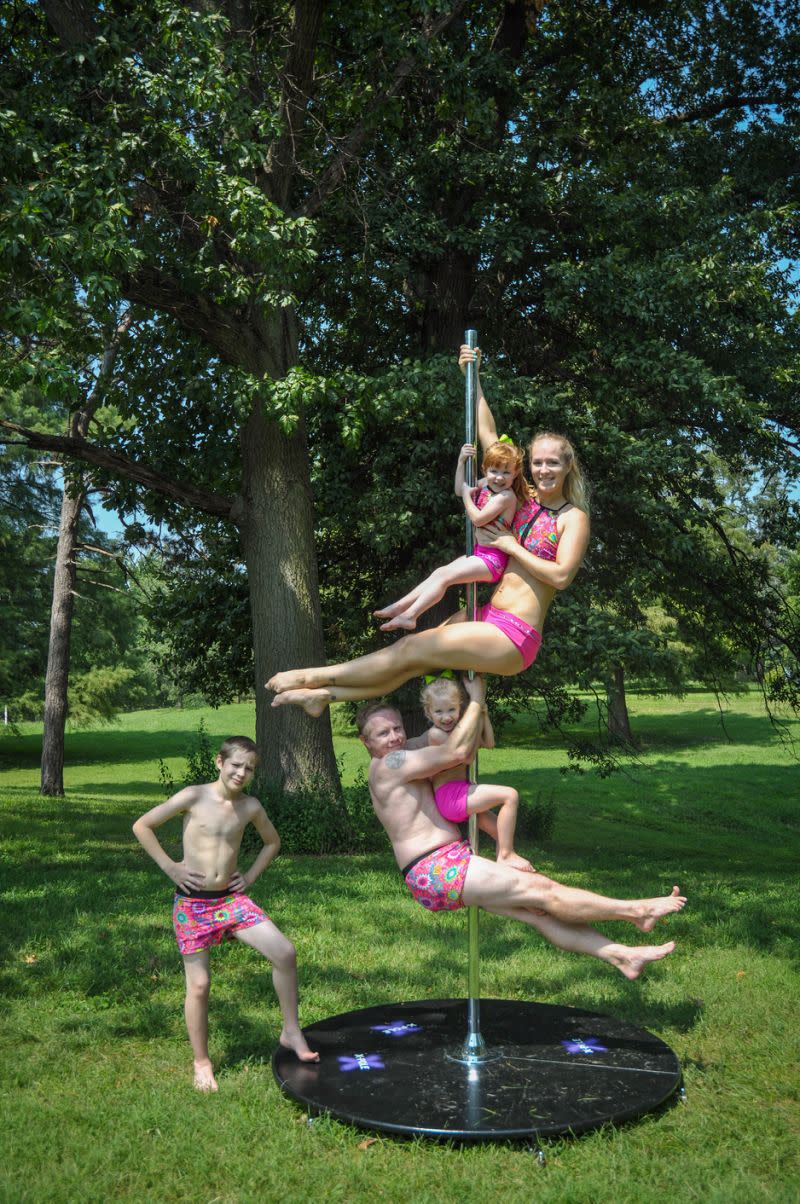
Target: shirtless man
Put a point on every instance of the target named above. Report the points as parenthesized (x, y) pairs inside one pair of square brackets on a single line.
[(210, 902), (443, 873)]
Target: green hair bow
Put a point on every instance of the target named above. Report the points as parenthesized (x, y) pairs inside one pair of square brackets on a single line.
[(429, 677)]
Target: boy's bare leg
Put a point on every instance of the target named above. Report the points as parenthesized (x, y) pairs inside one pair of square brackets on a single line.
[(630, 960), (491, 884), (270, 941), (195, 1009)]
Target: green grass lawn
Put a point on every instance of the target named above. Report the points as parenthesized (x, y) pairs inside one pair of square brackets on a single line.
[(95, 1077)]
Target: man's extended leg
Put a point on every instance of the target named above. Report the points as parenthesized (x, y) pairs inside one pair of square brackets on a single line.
[(195, 1009), (494, 885), (268, 940), (630, 960)]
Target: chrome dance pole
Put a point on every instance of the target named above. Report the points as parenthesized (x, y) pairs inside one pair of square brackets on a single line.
[(474, 1047)]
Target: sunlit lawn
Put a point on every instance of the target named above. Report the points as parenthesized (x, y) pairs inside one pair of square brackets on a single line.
[(94, 1074)]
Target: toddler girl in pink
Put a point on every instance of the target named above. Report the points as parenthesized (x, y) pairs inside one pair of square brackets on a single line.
[(456, 798), (495, 499)]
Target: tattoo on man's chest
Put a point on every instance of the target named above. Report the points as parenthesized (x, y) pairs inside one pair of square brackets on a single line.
[(395, 759)]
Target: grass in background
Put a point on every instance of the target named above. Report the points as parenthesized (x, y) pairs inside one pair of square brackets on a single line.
[(95, 1082)]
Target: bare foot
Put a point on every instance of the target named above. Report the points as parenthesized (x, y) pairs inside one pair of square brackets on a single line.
[(297, 1042), (652, 910), (630, 960), (516, 862), (291, 679), (399, 621), (313, 702), (387, 612), (204, 1077)]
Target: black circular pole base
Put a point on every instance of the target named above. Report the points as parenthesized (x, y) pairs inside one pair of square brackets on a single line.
[(392, 1069)]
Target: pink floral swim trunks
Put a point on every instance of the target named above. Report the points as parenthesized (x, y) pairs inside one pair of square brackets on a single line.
[(436, 880), (201, 921)]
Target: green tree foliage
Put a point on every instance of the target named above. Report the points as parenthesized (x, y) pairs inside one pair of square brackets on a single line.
[(293, 197), (106, 667)]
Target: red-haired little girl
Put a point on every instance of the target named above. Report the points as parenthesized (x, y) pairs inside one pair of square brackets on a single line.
[(495, 499)]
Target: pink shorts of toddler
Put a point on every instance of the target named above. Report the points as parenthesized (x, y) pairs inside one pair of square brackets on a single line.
[(436, 879), (521, 634), (205, 919), (495, 560), (451, 800)]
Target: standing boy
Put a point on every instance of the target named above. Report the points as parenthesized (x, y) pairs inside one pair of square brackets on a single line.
[(210, 902)]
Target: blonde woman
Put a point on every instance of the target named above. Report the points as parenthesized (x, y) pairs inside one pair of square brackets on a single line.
[(546, 549)]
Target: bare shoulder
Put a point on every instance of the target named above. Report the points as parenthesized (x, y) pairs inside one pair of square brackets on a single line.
[(576, 519), (436, 737), (186, 798), (250, 803), (396, 759)]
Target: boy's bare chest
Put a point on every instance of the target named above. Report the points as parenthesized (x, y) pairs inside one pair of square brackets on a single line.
[(215, 821)]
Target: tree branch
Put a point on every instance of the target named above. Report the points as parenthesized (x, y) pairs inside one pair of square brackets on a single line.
[(352, 144), (713, 108), (234, 341), (131, 470), (71, 22)]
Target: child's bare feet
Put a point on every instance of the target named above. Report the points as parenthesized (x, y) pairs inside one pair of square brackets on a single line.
[(296, 1041), (652, 910), (403, 622), (313, 702), (630, 960), (516, 862), (204, 1077)]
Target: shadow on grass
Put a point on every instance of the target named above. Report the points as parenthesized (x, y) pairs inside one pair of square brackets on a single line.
[(86, 913), (106, 746)]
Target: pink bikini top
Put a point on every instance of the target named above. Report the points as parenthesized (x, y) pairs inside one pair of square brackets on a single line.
[(481, 500), (536, 528)]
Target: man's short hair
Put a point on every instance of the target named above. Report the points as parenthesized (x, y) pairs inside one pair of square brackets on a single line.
[(232, 743), (366, 713)]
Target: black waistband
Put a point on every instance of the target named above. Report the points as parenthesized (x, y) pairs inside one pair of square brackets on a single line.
[(205, 894), (407, 869)]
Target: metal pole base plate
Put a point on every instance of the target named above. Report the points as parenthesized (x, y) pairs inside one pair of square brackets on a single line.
[(558, 1070)]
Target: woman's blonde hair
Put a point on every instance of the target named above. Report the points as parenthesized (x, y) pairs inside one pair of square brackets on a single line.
[(503, 451), (576, 487)]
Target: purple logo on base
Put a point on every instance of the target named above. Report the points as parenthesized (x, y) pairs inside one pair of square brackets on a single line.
[(584, 1045), (396, 1028), (361, 1061)]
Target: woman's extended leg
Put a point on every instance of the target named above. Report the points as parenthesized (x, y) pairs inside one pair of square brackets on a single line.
[(404, 614), (630, 960), (478, 646)]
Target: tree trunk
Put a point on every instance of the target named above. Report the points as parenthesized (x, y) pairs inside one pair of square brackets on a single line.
[(58, 653), (619, 726), (277, 531), (450, 285)]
